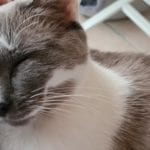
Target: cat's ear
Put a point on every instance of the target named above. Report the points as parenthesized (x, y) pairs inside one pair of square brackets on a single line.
[(70, 9), (67, 7)]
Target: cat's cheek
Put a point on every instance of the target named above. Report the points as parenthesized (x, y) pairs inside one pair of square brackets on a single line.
[(61, 76)]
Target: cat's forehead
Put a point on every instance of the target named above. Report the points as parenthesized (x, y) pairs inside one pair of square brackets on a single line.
[(24, 29), (4, 43), (34, 26), (40, 29)]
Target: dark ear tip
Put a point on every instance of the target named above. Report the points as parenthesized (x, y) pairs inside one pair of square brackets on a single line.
[(68, 7), (75, 26)]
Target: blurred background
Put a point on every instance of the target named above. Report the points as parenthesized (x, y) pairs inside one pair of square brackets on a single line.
[(117, 25)]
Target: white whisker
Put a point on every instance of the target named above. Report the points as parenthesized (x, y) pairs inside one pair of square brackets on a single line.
[(38, 89), (26, 27), (27, 19)]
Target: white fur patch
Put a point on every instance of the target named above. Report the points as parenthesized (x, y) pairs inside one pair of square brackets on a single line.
[(96, 113), (6, 9), (24, 2), (4, 43), (9, 6), (62, 75)]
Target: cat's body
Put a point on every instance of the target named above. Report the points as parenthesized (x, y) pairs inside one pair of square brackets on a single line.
[(96, 124), (89, 120), (134, 133), (63, 97)]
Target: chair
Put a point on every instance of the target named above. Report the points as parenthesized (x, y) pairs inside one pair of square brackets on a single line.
[(127, 8)]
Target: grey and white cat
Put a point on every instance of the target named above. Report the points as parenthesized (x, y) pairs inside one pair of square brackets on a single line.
[(55, 94)]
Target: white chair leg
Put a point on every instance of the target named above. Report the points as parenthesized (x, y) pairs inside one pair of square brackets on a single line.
[(147, 2), (105, 14), (137, 18)]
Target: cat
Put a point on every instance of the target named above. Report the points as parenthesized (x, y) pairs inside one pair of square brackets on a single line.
[(56, 94)]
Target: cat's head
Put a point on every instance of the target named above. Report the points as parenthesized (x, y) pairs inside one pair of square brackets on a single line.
[(43, 53)]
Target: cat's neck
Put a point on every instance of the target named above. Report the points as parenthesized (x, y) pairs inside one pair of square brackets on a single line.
[(104, 91), (88, 120), (98, 101), (103, 81)]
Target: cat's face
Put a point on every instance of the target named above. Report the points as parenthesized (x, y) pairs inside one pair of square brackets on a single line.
[(42, 55)]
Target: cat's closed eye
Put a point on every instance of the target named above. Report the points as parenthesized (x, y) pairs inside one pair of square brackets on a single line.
[(19, 60)]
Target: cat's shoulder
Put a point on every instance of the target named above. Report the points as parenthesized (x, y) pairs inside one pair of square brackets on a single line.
[(115, 58), (122, 61), (134, 132)]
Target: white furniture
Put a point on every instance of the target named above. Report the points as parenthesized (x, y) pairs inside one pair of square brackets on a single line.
[(127, 8)]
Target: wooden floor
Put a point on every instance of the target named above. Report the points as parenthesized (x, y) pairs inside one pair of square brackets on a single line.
[(122, 35)]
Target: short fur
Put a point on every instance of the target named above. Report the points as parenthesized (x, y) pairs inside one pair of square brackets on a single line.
[(60, 95), (134, 132)]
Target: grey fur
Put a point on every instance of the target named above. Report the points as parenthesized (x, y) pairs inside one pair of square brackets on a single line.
[(134, 133)]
